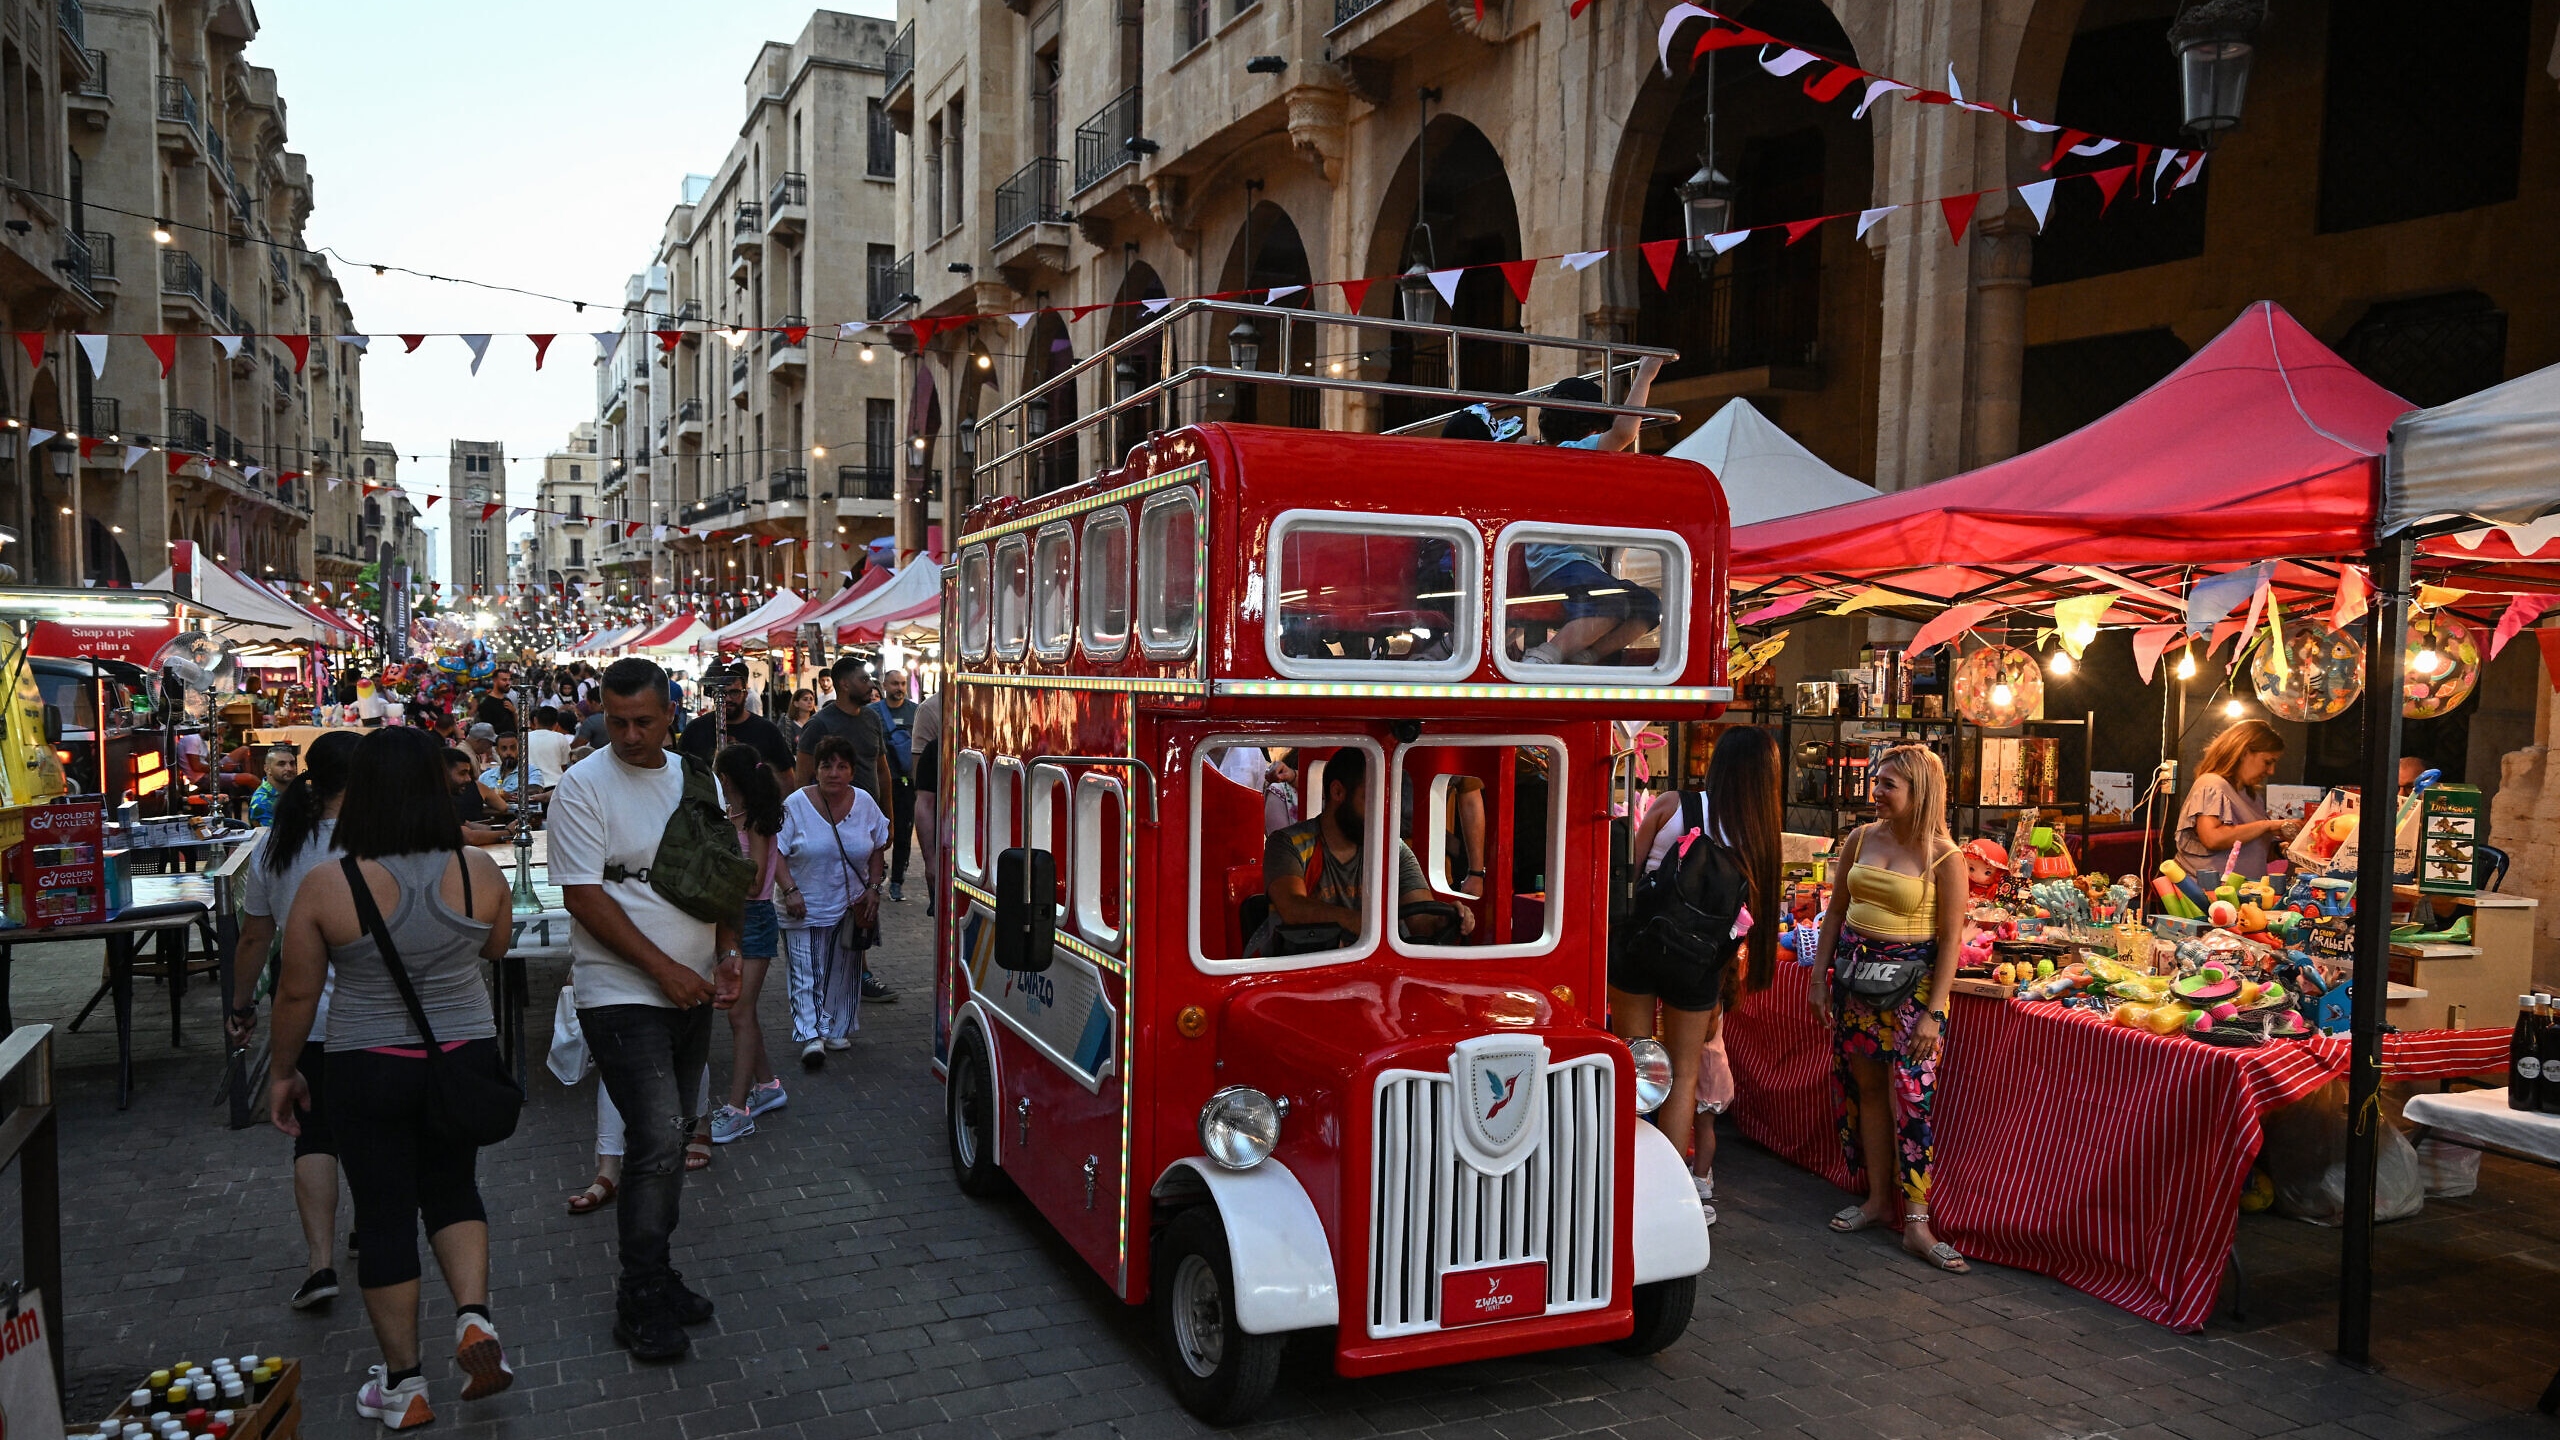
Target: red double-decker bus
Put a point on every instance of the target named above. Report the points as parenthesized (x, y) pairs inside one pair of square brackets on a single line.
[(1378, 1097)]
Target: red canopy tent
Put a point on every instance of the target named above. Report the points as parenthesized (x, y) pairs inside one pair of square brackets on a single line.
[(820, 606)]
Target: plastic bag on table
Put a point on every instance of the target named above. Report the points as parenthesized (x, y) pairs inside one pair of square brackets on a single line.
[(569, 1059), (2305, 1154), (2450, 1170)]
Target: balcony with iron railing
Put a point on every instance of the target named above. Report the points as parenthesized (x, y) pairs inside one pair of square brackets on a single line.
[(740, 368), (74, 23), (1103, 142), (786, 207), (786, 352), (102, 417), (899, 65), (746, 227), (1032, 195), (92, 85), (876, 478), (789, 483), (181, 124), (78, 267), (889, 288), (282, 374), (102, 256), (713, 506), (189, 432)]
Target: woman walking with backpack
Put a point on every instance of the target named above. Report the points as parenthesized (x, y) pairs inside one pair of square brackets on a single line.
[(404, 922), (1738, 813), (1881, 978), (835, 840)]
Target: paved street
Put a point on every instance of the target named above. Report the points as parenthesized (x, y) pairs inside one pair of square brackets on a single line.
[(860, 1294)]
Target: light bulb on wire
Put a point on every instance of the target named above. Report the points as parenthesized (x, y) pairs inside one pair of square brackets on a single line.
[(2425, 662), (2187, 665), (2002, 695), (2233, 709), (2061, 663)]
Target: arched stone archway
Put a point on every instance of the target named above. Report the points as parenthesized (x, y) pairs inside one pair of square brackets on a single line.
[(1139, 367), (1278, 258), (1051, 352), (1467, 217)]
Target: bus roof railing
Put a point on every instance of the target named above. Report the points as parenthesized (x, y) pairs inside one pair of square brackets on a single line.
[(1165, 330)]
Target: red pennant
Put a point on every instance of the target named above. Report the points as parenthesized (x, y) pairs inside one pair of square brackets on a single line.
[(1659, 254), (667, 340), (2109, 182), (370, 487), (409, 343), (490, 510), (166, 347), (1355, 293), (1519, 273), (1959, 211), (923, 328), (1715, 40), (541, 347), (2062, 146), (89, 445), (431, 501), (289, 475), (1081, 311), (300, 346), (1828, 88), (1930, 97), (794, 334), (1798, 229), (34, 341), (2549, 640), (178, 462), (2142, 165)]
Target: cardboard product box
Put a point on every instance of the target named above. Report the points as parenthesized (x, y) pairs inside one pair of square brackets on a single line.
[(2292, 802), (58, 867), (2111, 796), (1816, 697), (2445, 853)]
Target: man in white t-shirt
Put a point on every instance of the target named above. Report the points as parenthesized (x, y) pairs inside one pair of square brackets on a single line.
[(546, 745), (646, 974)]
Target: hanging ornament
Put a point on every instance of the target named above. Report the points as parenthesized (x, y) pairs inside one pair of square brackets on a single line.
[(2443, 665), (1998, 686), (2324, 673)]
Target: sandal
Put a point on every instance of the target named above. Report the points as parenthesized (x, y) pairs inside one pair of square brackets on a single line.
[(1941, 1255), (592, 1199), (697, 1153), (1854, 1219)]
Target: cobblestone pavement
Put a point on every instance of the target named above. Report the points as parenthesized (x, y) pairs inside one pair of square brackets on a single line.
[(861, 1295)]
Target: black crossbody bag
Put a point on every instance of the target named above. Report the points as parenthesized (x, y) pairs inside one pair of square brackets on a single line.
[(467, 1104), (1885, 984)]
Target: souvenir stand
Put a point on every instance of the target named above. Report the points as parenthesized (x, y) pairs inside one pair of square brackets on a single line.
[(2249, 482)]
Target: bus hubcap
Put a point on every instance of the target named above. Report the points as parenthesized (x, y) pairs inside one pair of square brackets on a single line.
[(1199, 1316), (971, 1114)]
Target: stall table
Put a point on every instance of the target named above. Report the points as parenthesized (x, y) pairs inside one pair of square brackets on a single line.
[(2109, 1158), (2480, 1120)]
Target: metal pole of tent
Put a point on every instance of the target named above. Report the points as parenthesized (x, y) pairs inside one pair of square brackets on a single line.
[(2386, 629)]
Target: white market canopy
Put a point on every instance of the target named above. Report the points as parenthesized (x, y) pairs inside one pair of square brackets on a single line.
[(920, 581), (1765, 473), (756, 621), (2493, 456), (252, 605)]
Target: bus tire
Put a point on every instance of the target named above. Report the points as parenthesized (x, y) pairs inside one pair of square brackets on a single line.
[(1662, 1316), (969, 1105), (1220, 1373)]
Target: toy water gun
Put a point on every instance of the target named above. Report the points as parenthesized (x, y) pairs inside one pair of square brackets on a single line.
[(2178, 890)]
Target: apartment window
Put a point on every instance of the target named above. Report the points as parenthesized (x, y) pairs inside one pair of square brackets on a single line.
[(1195, 23), (1044, 102), (573, 472), (2452, 137), (958, 190), (577, 503), (880, 150), (879, 442), (933, 176), (577, 551)]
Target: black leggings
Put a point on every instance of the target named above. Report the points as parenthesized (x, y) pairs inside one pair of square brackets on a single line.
[(398, 1172)]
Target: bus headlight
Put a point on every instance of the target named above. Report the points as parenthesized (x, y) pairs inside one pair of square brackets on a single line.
[(1240, 1125), (1653, 1074)]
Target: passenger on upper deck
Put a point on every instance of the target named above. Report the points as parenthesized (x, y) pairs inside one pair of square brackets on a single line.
[(1603, 613), (1312, 871)]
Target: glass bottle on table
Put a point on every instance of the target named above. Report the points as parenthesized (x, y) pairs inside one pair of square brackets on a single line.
[(2546, 1047), (2524, 1062)]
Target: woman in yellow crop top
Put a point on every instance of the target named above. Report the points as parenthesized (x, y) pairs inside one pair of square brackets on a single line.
[(1900, 899)]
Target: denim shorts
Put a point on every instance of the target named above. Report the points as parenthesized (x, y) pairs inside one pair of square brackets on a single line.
[(1591, 591), (759, 933)]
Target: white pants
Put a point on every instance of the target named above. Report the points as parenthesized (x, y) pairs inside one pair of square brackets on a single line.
[(609, 1120), (826, 989)]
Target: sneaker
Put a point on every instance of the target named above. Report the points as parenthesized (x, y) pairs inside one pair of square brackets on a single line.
[(320, 1289), (767, 1096), (688, 1305), (398, 1407), (477, 1351), (839, 1042), (1544, 653), (648, 1332), (877, 993), (813, 1056), (897, 890), (1709, 1210), (731, 1123)]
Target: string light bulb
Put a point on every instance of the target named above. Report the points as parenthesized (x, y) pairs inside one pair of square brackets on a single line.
[(160, 232), (2187, 665), (2233, 708), (2061, 663), (864, 354), (817, 452), (2002, 695), (2425, 663)]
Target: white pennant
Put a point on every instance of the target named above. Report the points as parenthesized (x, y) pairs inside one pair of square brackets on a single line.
[(1156, 305), (1282, 292), (479, 350), (2039, 198), (2190, 167), (517, 512), (847, 329), (358, 341), (1022, 318), (607, 342), (1867, 218), (95, 346), (1877, 90), (337, 480), (251, 470), (1446, 282), (1670, 23), (230, 346), (2032, 127), (1787, 64), (1583, 259), (657, 532), (1726, 240), (36, 437), (2098, 145), (2160, 167), (133, 455)]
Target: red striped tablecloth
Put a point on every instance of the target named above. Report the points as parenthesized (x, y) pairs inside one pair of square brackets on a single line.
[(2108, 1158)]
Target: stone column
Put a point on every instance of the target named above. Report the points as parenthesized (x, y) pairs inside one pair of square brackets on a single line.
[(2003, 256)]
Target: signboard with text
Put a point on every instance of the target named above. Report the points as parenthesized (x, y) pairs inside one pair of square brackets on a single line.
[(395, 611)]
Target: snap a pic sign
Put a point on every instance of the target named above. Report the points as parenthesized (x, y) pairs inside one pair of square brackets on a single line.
[(1486, 1293)]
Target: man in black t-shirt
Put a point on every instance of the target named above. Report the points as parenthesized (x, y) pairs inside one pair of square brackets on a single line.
[(702, 737), (497, 709), (851, 716)]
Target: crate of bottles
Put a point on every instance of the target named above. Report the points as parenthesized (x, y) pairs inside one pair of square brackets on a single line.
[(251, 1398)]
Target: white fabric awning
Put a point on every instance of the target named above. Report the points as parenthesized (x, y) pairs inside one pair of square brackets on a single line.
[(2493, 456), (1766, 475), (265, 616), (756, 621), (912, 586)]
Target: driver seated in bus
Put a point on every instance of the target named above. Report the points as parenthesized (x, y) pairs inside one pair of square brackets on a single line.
[(1311, 872)]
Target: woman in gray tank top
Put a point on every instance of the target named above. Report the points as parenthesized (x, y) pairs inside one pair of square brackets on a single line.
[(446, 911)]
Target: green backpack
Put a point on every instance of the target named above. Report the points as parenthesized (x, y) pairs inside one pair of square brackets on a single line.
[(698, 867)]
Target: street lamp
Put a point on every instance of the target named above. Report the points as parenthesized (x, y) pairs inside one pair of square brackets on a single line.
[(1244, 346), (1415, 299), (1706, 208), (2214, 41)]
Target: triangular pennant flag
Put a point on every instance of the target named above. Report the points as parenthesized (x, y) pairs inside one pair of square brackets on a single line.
[(89, 445), (607, 342), (33, 340), (1581, 260), (1798, 229), (230, 345), (1519, 273), (251, 470), (517, 512), (1446, 282), (1155, 303), (2076, 617), (2096, 146), (337, 480), (177, 462), (2039, 198), (2109, 182), (409, 343), (431, 501), (541, 347), (166, 348), (1867, 218), (2209, 599), (923, 328), (1081, 311), (2521, 611), (2257, 607), (1735, 39), (479, 350), (2062, 146), (299, 347), (1871, 596), (2141, 160), (1959, 213), (2148, 642), (2549, 640), (1724, 240), (95, 347), (2224, 630), (2277, 664), (358, 341), (36, 437), (1672, 20), (657, 532), (2032, 127), (2160, 167), (1658, 254), (133, 456), (2350, 606), (1788, 62), (1355, 293), (2190, 166), (795, 334), (1955, 91), (1876, 90), (667, 340), (1283, 292), (1827, 88), (1021, 318), (1947, 625)]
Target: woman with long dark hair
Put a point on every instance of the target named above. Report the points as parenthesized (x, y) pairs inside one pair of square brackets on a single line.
[(303, 838), (755, 807), (444, 908), (1739, 810)]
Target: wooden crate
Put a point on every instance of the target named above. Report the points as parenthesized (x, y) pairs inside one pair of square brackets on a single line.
[(278, 1417)]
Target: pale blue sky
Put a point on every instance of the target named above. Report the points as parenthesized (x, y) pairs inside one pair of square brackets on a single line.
[(536, 143)]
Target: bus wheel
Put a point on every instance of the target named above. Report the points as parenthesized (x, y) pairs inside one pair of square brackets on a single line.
[(969, 1097), (1662, 1315), (1220, 1373)]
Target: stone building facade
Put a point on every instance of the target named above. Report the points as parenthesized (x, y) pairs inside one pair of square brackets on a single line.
[(476, 557), (564, 535)]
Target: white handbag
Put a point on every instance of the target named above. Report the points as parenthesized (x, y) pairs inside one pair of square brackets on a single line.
[(570, 1060)]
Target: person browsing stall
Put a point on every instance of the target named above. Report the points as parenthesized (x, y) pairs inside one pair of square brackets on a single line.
[(2228, 806), (850, 716)]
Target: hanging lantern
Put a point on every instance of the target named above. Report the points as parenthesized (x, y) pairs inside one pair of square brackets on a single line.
[(1415, 299), (2215, 41), (2442, 666), (1706, 209), (1244, 346), (1999, 686), (2324, 673)]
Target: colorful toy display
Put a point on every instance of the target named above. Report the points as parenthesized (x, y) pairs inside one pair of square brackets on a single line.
[(2323, 673)]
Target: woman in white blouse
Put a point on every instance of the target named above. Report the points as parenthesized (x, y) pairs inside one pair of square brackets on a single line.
[(835, 842)]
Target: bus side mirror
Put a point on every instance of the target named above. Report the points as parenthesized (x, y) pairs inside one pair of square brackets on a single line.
[(53, 724), (1026, 909)]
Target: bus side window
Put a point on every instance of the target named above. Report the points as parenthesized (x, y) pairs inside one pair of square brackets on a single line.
[(1013, 597), (1053, 600), (1048, 825), (973, 602), (1004, 805), (1098, 859), (1104, 593), (1490, 808), (1169, 574), (968, 787)]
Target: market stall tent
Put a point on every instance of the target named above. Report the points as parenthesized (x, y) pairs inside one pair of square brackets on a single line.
[(267, 616), (1766, 475), (2489, 457), (758, 620), (919, 583), (820, 612), (672, 637), (924, 615)]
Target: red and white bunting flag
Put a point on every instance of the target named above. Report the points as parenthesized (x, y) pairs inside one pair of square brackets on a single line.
[(541, 347), (2039, 198), (409, 343), (479, 350), (1658, 255), (298, 346), (133, 456), (1867, 218), (166, 348), (33, 342), (95, 347)]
